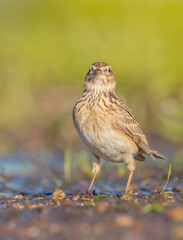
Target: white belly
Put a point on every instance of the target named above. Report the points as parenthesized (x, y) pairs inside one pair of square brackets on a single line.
[(109, 144)]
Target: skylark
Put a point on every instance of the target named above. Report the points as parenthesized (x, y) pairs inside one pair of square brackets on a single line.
[(106, 125)]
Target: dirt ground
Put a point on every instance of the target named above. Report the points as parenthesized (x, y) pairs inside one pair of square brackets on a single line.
[(103, 219), (30, 210)]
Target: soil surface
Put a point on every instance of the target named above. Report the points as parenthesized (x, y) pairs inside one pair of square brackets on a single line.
[(39, 201)]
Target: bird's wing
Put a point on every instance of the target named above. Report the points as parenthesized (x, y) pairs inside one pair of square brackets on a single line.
[(126, 122), (131, 127)]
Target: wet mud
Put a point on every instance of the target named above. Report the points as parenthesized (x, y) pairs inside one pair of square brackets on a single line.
[(38, 201)]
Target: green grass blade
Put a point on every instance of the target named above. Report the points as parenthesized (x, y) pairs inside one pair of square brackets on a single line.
[(167, 181), (67, 165), (181, 189)]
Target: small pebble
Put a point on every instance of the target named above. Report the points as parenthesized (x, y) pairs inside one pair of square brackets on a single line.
[(35, 206), (19, 196), (17, 205), (75, 198), (58, 195)]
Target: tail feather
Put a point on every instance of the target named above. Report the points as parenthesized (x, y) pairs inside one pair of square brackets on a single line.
[(149, 151), (156, 154)]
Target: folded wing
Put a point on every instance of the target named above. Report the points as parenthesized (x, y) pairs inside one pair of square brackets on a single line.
[(131, 127)]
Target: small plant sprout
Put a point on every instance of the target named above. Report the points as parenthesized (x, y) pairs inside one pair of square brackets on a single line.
[(179, 181), (67, 164), (168, 177), (181, 189)]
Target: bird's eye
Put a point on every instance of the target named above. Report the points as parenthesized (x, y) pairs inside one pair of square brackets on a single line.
[(109, 70)]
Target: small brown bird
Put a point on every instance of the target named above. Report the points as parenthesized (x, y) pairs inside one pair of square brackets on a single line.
[(106, 125)]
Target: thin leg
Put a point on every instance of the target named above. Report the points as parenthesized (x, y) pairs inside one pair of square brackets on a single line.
[(91, 184), (129, 181), (96, 169)]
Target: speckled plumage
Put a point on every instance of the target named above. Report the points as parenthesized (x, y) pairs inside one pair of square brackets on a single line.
[(105, 123)]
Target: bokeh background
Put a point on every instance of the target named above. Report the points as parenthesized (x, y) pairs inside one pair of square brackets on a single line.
[(46, 48)]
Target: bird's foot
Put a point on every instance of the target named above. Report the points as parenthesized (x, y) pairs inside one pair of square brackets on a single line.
[(87, 195)]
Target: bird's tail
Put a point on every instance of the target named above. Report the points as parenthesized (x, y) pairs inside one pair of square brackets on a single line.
[(156, 154)]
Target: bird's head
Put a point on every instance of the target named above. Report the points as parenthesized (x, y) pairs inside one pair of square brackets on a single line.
[(100, 76)]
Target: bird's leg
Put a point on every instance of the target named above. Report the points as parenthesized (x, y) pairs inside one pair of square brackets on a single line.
[(91, 184), (131, 166), (96, 169), (129, 181)]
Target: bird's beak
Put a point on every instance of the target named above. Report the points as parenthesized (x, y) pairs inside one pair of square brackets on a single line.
[(98, 72)]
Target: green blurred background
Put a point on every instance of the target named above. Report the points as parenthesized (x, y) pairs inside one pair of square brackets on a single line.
[(46, 48)]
